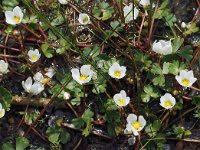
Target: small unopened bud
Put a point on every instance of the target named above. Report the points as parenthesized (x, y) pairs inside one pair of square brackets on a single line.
[(66, 96), (183, 25)]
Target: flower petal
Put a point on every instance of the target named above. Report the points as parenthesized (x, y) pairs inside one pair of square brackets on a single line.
[(131, 118)]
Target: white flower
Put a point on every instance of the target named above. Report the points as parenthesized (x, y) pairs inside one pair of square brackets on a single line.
[(117, 71), (66, 95), (121, 99), (63, 2), (38, 77), (167, 101), (162, 47), (135, 124), (186, 78), (82, 76), (14, 17), (34, 55), (83, 18), (2, 111), (128, 13), (3, 67), (50, 72), (34, 88), (144, 3)]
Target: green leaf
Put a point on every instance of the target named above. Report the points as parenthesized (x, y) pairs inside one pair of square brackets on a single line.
[(176, 66), (76, 101), (10, 3), (145, 97), (103, 11), (54, 138), (196, 100), (151, 91), (87, 115), (159, 80), (165, 68), (192, 28), (186, 52), (78, 122), (113, 119), (178, 106), (22, 143), (58, 20), (187, 133), (47, 51), (7, 146), (177, 42), (115, 25), (164, 4), (31, 116), (99, 88), (65, 137), (64, 45), (88, 128), (153, 128), (91, 52), (156, 69), (170, 19), (162, 10), (5, 98)]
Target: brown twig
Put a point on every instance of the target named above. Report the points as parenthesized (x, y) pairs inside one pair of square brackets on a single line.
[(152, 23)]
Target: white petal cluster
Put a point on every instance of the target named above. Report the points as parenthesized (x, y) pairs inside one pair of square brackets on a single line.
[(167, 101), (2, 111), (63, 2), (33, 88), (84, 19), (34, 55), (15, 16), (128, 13), (144, 3), (162, 47), (3, 67), (84, 75), (135, 124), (186, 78), (121, 98), (50, 72), (117, 71)]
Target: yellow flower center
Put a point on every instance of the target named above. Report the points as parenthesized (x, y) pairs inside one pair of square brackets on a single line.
[(85, 19), (121, 101), (1, 113), (117, 73), (168, 103), (185, 82), (45, 80), (16, 19), (34, 58), (83, 77), (136, 125)]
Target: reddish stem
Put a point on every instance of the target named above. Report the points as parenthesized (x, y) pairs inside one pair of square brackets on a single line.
[(10, 56), (29, 30), (10, 48), (42, 32)]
